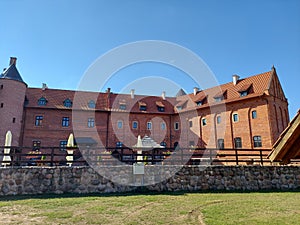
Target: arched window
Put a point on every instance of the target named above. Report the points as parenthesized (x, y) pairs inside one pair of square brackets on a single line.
[(163, 144), (68, 103), (42, 101), (235, 117), (134, 125), (92, 104)]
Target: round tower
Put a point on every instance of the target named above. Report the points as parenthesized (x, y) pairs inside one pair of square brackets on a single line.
[(12, 97)]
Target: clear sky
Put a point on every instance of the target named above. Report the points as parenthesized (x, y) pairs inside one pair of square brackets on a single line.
[(56, 41)]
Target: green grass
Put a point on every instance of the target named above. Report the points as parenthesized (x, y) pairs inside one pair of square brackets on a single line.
[(168, 208)]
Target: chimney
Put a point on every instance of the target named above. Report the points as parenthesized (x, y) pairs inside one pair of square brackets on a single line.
[(108, 90), (163, 95), (13, 60), (235, 79), (132, 93), (196, 90), (44, 86)]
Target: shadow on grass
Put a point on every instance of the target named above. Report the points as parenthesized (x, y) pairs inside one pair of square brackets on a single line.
[(140, 191)]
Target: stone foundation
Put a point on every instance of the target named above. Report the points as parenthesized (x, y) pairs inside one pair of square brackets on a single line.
[(40, 180)]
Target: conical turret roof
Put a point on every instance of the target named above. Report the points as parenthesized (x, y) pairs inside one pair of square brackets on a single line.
[(11, 73)]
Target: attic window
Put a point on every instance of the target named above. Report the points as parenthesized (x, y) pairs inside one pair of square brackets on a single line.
[(68, 103), (92, 104), (199, 103), (142, 106), (179, 107), (160, 106), (243, 93), (42, 101), (122, 106), (244, 90), (220, 96)]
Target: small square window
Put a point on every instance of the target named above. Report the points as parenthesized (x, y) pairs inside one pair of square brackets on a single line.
[(204, 122), (92, 104), (219, 119), (161, 109), (134, 125), (235, 117), (143, 108), (42, 101), (257, 141), (120, 124), (149, 125), (176, 125), (179, 108), (65, 121), (254, 114), (38, 120), (68, 103), (91, 122), (63, 145)]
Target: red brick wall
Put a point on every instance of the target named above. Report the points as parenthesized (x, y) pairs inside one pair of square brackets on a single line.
[(12, 96)]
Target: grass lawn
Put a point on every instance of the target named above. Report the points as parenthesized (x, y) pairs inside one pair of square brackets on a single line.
[(169, 208)]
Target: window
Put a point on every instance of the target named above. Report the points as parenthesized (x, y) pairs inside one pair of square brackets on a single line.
[(220, 143), (163, 144), (14, 120), (63, 145), (238, 142), (42, 101), (134, 125), (36, 145), (119, 144), (68, 103), (219, 99), (161, 109), (204, 122), (149, 125), (243, 93), (120, 124), (38, 120), (199, 103), (235, 117), (122, 106), (179, 108), (92, 104), (191, 123), (191, 143), (1, 87), (163, 126), (65, 121), (254, 114), (219, 119), (91, 122), (176, 125), (257, 141), (1, 105), (143, 108)]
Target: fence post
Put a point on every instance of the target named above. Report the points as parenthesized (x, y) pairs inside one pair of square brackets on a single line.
[(52, 156), (236, 157), (261, 157)]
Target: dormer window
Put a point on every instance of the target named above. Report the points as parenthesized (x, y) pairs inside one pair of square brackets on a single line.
[(243, 93), (142, 106), (122, 106), (199, 103), (220, 96), (245, 90), (68, 103), (160, 106), (42, 101), (179, 107), (92, 104)]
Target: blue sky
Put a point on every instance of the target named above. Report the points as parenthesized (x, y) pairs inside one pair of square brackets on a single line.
[(56, 41)]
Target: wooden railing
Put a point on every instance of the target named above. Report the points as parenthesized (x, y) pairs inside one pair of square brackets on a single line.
[(56, 156)]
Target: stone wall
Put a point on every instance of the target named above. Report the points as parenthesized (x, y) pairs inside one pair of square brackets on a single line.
[(40, 180)]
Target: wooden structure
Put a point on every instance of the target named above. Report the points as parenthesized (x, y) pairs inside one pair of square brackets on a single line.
[(287, 147)]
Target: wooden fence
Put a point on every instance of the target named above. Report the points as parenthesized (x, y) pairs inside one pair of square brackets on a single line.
[(57, 156)]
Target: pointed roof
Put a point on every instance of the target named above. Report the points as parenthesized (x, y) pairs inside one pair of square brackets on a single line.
[(12, 72), (181, 92)]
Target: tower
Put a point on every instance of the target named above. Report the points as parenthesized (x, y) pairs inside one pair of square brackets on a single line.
[(12, 97)]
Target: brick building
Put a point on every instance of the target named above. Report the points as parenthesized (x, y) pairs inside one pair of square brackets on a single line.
[(244, 113)]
